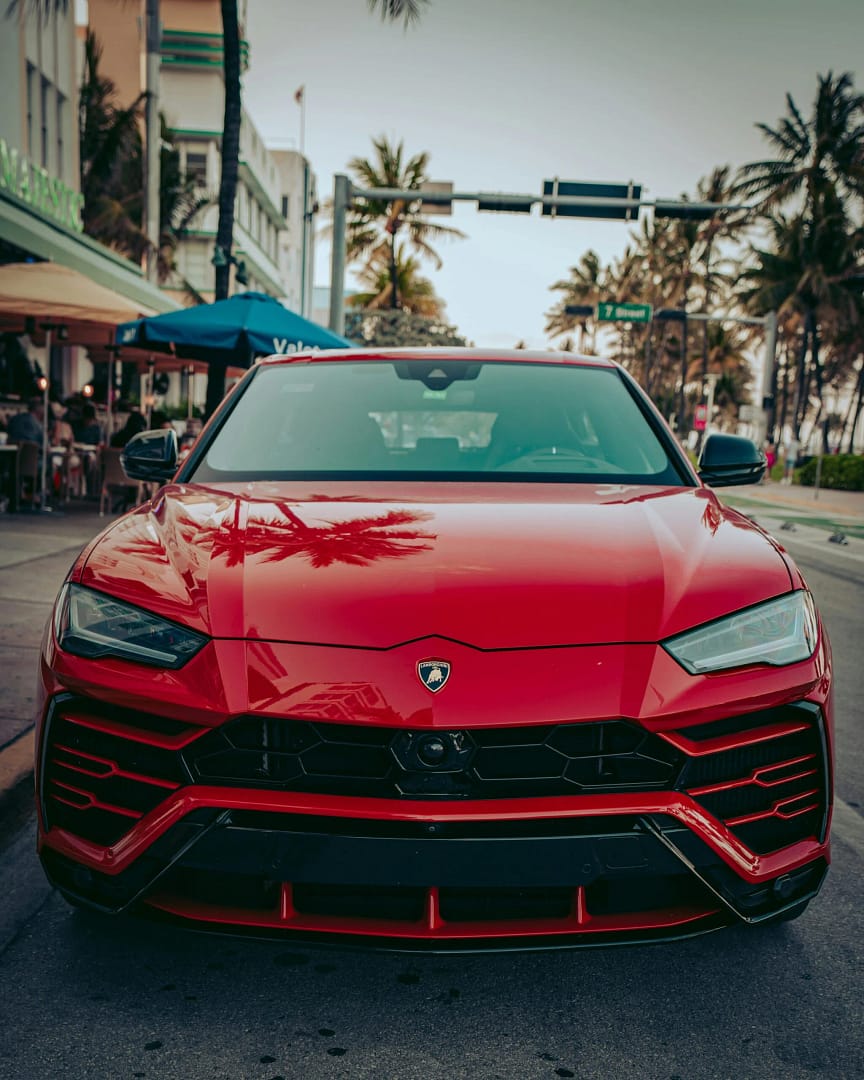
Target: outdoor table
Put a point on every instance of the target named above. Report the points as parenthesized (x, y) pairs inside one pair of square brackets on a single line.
[(90, 455)]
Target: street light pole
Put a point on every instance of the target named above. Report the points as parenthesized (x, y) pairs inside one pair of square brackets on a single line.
[(770, 322), (44, 384), (341, 202), (153, 136)]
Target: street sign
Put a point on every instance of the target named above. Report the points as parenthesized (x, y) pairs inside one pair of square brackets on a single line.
[(607, 210), (512, 205), (436, 187), (623, 312), (701, 417), (682, 210)]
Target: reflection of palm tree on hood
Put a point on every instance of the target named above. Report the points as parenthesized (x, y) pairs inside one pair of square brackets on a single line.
[(357, 542)]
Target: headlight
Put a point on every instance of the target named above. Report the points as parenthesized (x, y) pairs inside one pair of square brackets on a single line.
[(778, 632), (91, 624)]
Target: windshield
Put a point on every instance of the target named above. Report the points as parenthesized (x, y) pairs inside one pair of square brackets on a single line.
[(450, 419)]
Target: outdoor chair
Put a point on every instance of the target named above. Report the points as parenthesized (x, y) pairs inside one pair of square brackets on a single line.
[(29, 478), (117, 491)]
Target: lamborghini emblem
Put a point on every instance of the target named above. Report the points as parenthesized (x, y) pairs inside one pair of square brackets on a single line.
[(433, 674)]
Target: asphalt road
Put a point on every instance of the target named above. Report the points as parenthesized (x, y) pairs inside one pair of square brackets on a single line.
[(81, 996)]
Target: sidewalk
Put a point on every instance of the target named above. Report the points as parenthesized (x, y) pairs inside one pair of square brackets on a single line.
[(829, 511), (36, 551)]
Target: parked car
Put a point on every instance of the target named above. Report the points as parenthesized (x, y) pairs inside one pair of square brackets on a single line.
[(437, 649)]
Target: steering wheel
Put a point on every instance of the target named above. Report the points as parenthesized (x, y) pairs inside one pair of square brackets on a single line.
[(547, 455)]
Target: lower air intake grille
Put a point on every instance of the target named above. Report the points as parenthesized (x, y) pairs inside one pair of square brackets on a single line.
[(770, 791), (106, 767)]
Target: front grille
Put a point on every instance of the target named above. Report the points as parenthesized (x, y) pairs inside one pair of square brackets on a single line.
[(763, 774), (484, 763), (770, 792), (106, 767)]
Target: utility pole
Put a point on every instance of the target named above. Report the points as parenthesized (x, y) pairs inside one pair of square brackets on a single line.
[(767, 413), (341, 202), (153, 137)]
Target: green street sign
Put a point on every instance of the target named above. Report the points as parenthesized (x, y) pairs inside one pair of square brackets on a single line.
[(624, 312)]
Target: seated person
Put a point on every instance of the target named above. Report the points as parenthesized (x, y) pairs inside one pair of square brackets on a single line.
[(88, 429), (135, 423), (27, 426)]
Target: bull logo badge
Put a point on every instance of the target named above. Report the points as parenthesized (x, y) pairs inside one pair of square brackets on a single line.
[(433, 674)]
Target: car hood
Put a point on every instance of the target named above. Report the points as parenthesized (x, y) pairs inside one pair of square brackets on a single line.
[(503, 566)]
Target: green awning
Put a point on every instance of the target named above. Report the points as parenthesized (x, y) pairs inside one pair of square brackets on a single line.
[(21, 226)]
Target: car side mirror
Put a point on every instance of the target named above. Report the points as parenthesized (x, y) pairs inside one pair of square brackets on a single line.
[(727, 460), (151, 455)]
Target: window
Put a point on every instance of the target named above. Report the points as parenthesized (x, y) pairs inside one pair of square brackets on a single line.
[(46, 90), (196, 167), (453, 419), (61, 113), (31, 109), (286, 205)]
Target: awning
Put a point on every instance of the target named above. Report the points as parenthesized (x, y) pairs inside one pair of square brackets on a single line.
[(45, 290), (21, 226)]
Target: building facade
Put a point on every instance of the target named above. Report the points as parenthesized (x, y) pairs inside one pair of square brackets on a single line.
[(275, 203), (40, 201)]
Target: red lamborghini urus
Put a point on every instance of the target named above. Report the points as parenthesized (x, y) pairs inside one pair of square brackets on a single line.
[(442, 650)]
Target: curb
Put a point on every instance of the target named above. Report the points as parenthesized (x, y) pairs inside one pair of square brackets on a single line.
[(16, 763), (811, 507)]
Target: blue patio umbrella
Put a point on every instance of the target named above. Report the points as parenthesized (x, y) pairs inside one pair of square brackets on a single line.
[(233, 331)]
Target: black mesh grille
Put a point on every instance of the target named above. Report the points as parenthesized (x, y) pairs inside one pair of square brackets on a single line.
[(770, 793), (96, 783), (392, 763)]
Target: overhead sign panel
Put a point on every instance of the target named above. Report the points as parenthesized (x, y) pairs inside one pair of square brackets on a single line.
[(506, 204), (606, 210), (437, 187), (624, 312), (682, 210)]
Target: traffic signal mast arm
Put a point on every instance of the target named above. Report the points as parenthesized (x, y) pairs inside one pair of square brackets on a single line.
[(506, 201)]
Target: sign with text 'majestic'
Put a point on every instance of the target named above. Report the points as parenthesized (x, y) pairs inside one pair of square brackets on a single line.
[(42, 192)]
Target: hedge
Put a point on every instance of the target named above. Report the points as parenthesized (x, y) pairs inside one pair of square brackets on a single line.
[(844, 472)]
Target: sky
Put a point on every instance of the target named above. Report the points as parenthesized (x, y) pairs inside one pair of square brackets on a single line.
[(504, 94)]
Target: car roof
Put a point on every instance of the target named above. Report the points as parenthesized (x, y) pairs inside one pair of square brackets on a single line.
[(521, 356)]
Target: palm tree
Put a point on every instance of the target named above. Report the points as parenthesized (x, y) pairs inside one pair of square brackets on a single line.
[(586, 287), (819, 161), (112, 172), (808, 273), (727, 360), (394, 10), (111, 157), (391, 10), (817, 258), (416, 293), (374, 228)]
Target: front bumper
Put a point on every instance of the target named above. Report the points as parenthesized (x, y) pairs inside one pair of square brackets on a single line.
[(668, 827), (442, 885)]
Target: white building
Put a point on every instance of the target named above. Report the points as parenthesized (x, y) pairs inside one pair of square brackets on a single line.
[(275, 203), (41, 206)]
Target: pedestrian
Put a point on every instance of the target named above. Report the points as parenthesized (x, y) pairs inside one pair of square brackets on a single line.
[(770, 460), (791, 450)]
